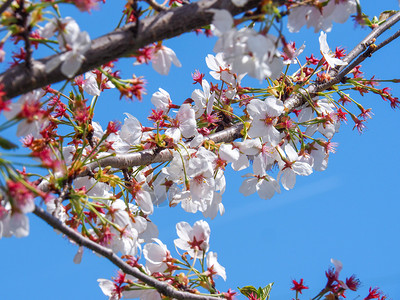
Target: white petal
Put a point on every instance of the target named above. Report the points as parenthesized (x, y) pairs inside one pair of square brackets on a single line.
[(288, 179), (19, 225), (71, 64)]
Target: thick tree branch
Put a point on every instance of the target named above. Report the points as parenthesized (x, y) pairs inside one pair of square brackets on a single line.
[(148, 157), (162, 287), (121, 42), (230, 134), (5, 5)]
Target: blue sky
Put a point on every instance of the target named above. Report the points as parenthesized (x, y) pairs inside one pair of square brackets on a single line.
[(349, 212)]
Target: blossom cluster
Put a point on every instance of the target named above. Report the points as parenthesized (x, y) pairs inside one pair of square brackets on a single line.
[(113, 204), (160, 264)]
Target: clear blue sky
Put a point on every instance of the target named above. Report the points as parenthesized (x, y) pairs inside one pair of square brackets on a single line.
[(349, 212)]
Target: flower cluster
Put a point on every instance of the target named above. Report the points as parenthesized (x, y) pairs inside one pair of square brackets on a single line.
[(160, 264), (99, 188), (320, 15)]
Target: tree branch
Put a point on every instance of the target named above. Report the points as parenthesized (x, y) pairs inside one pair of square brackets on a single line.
[(150, 156), (75, 236), (5, 5), (363, 45), (299, 99), (121, 42), (147, 157), (232, 133)]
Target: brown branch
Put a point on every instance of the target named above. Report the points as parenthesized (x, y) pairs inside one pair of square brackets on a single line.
[(122, 42), (387, 41), (5, 5), (147, 157), (338, 74), (232, 133), (23, 16), (362, 46), (75, 236), (121, 161)]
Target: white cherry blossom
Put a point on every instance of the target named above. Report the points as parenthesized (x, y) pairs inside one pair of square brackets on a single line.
[(162, 59), (201, 98), (264, 116), (161, 100), (90, 84), (291, 166), (220, 70), (185, 124), (75, 44), (156, 255), (265, 186), (326, 52), (246, 50), (31, 125), (213, 264), (131, 130), (193, 239), (108, 288), (320, 19), (329, 123)]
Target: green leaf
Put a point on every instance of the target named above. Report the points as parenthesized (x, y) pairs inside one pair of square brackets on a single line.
[(262, 293), (386, 15), (265, 291), (6, 144), (247, 290)]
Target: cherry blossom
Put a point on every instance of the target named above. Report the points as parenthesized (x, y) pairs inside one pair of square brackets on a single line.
[(28, 108), (326, 52), (71, 40), (162, 59), (245, 49), (91, 86), (193, 239), (290, 166), (131, 130), (106, 184), (12, 223), (185, 124), (265, 186), (213, 266), (161, 100), (320, 18), (202, 98), (264, 118), (109, 289), (156, 255), (220, 70), (327, 122)]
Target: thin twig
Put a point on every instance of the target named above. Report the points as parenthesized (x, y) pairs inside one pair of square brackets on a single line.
[(147, 157), (376, 32), (371, 49), (75, 236), (387, 41), (24, 15), (298, 99)]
